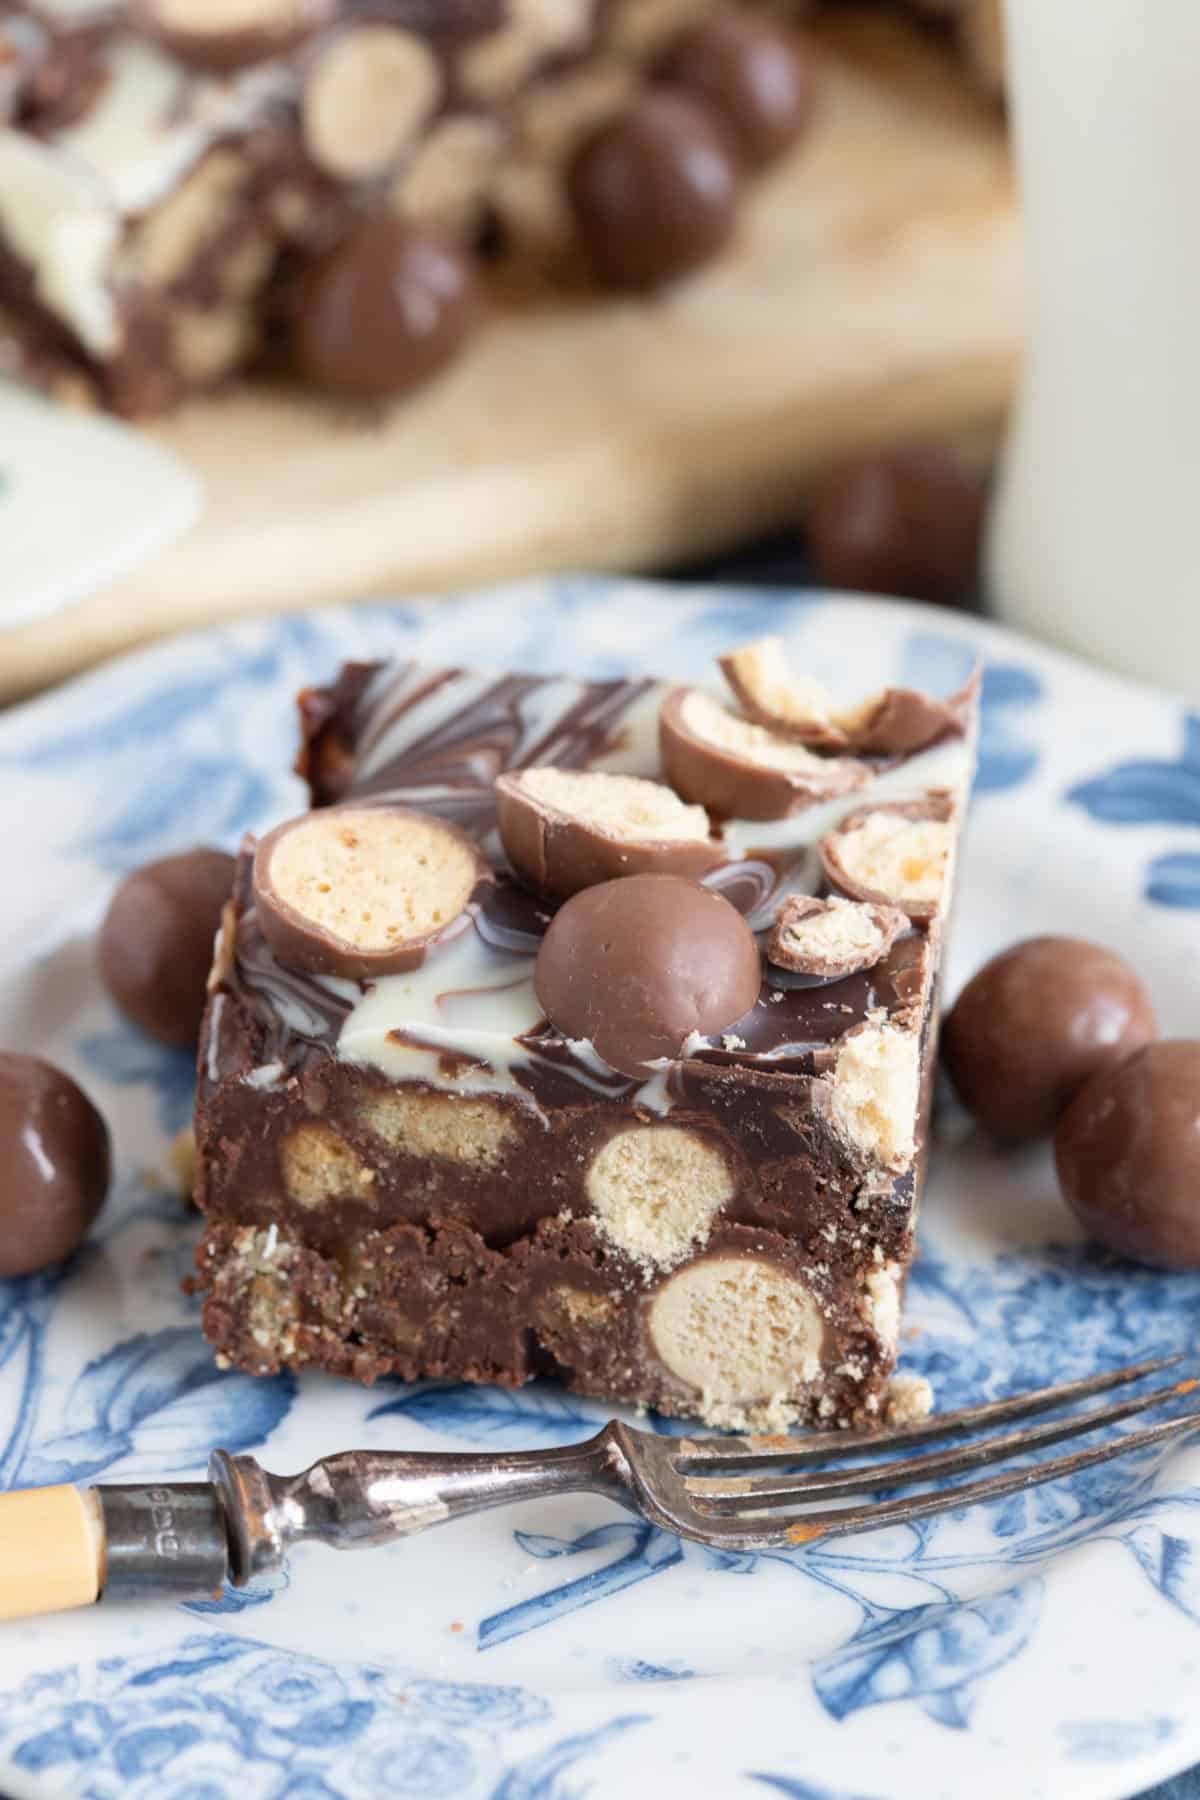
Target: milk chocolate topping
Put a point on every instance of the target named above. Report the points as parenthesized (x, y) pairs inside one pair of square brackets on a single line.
[(636, 966)]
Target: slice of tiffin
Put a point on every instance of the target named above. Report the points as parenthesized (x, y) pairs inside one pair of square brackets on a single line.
[(534, 1051)]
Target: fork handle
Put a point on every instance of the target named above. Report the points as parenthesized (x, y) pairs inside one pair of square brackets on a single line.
[(63, 1547), (51, 1551), (363, 1497)]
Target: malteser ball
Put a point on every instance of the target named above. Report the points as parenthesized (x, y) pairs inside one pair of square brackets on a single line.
[(1128, 1155), (753, 73), (385, 310), (906, 520), (362, 891), (54, 1147), (1034, 1025), (637, 965), (156, 943), (654, 192)]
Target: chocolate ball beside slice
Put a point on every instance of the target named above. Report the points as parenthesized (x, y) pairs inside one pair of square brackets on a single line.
[(385, 310), (57, 1161), (1036, 1023), (360, 891), (1127, 1151), (653, 192), (741, 770), (906, 520), (636, 966), (754, 74), (563, 831), (155, 946)]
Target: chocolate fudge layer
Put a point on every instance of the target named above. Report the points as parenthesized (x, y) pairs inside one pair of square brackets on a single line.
[(663, 1138)]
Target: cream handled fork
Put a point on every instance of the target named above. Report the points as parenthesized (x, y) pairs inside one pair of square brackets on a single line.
[(65, 1546)]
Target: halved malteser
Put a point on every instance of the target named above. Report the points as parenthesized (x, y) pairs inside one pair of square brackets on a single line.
[(361, 891), (899, 853), (893, 722), (833, 937), (564, 830), (770, 694), (742, 770), (225, 35)]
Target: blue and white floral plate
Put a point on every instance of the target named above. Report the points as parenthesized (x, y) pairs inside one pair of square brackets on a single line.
[(1045, 1646)]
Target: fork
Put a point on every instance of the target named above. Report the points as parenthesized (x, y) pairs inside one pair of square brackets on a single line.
[(66, 1546)]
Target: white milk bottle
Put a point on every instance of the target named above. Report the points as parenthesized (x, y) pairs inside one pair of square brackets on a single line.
[(1095, 534)]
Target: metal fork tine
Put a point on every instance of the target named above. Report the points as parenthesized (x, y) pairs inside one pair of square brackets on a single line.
[(691, 1453), (743, 1491), (805, 1528)]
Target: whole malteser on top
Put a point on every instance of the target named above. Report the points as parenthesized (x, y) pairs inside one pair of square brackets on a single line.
[(588, 1031), (641, 966)]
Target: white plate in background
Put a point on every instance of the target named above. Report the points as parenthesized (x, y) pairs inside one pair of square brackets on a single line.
[(83, 500)]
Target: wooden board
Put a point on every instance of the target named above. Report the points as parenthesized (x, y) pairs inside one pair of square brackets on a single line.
[(873, 291)]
